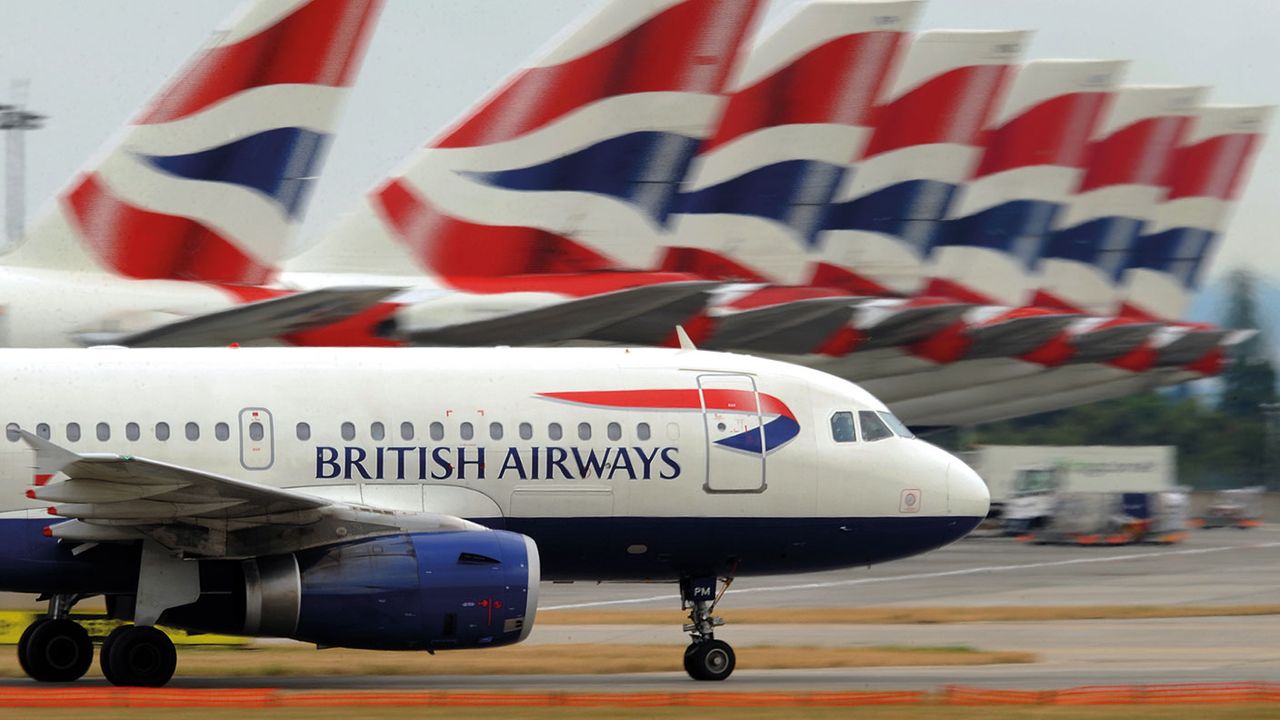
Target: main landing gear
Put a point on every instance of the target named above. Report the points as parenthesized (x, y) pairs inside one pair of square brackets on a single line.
[(58, 649), (706, 658)]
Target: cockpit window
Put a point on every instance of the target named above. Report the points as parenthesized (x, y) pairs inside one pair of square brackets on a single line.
[(896, 425), (842, 427), (873, 428)]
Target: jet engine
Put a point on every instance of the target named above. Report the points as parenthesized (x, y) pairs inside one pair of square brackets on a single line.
[(416, 591)]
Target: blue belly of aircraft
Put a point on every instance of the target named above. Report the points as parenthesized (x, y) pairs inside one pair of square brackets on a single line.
[(589, 549)]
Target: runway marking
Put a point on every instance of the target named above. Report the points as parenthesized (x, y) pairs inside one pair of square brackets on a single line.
[(925, 576)]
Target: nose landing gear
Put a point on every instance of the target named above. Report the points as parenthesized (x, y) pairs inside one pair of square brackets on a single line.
[(706, 658)]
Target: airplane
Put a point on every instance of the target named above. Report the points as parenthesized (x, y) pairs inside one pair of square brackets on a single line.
[(171, 234), (413, 498)]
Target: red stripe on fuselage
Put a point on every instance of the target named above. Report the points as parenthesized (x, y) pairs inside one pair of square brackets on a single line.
[(319, 44), (687, 399)]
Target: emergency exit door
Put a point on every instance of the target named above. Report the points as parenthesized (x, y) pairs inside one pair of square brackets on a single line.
[(257, 439), (735, 433)]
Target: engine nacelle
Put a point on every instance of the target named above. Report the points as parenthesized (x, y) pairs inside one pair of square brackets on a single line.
[(417, 591)]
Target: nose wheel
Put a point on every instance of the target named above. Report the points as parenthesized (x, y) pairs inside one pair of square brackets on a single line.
[(706, 658)]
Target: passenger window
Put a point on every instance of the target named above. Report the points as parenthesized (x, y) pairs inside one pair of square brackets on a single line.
[(11, 432), (132, 432), (406, 431), (467, 431), (554, 432), (222, 432), (162, 431), (495, 431), (256, 431), (192, 431), (873, 428), (614, 430), (526, 431), (584, 431), (348, 431), (642, 431), (103, 431), (304, 431), (842, 427), (437, 431), (73, 432), (43, 431), (377, 431), (899, 429)]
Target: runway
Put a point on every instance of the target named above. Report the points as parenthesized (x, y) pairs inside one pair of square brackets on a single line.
[(1219, 567)]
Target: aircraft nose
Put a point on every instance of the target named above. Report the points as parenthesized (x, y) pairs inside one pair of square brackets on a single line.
[(967, 494)]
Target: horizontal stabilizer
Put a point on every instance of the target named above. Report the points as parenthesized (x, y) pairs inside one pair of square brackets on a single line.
[(1015, 336), (262, 320), (798, 326), (892, 323), (568, 320), (1104, 344)]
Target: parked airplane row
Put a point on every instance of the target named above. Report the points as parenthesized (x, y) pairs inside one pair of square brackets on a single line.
[(402, 498), (837, 193)]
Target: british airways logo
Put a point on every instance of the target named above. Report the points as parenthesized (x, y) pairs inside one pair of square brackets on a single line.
[(768, 422), (548, 462)]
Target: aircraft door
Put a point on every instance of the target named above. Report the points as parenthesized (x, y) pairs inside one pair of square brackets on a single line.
[(257, 439), (734, 425)]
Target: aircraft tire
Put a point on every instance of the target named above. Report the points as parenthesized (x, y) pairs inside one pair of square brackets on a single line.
[(135, 656), (56, 651), (22, 644), (710, 660)]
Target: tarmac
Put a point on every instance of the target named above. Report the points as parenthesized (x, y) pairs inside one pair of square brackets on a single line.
[(1213, 567)]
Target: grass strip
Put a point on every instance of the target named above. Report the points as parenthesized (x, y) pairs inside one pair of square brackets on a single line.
[(904, 615)]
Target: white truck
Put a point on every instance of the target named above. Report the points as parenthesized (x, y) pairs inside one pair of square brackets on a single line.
[(1026, 480)]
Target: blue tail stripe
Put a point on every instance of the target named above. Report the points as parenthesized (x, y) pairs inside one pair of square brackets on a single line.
[(908, 210), (1018, 227), (279, 163), (642, 168), (1103, 242), (795, 193), (1178, 251)]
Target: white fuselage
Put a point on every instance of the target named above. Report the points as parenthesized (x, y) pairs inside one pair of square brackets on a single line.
[(624, 448)]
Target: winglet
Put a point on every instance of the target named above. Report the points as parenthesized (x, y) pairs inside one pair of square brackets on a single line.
[(50, 458), (685, 342)]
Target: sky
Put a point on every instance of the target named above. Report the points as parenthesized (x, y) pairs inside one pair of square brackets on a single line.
[(93, 63)]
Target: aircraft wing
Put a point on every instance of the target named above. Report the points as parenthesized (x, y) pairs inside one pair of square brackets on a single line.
[(109, 497), (575, 319), (260, 320)]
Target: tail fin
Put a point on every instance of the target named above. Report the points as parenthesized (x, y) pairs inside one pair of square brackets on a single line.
[(212, 177), (569, 166), (1203, 182), (1121, 186), (797, 117), (926, 140), (1032, 160)]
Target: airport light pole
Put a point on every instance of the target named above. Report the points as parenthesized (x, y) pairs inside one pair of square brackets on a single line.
[(15, 121)]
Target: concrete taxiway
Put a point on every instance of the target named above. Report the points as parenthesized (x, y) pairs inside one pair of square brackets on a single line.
[(1218, 567)]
